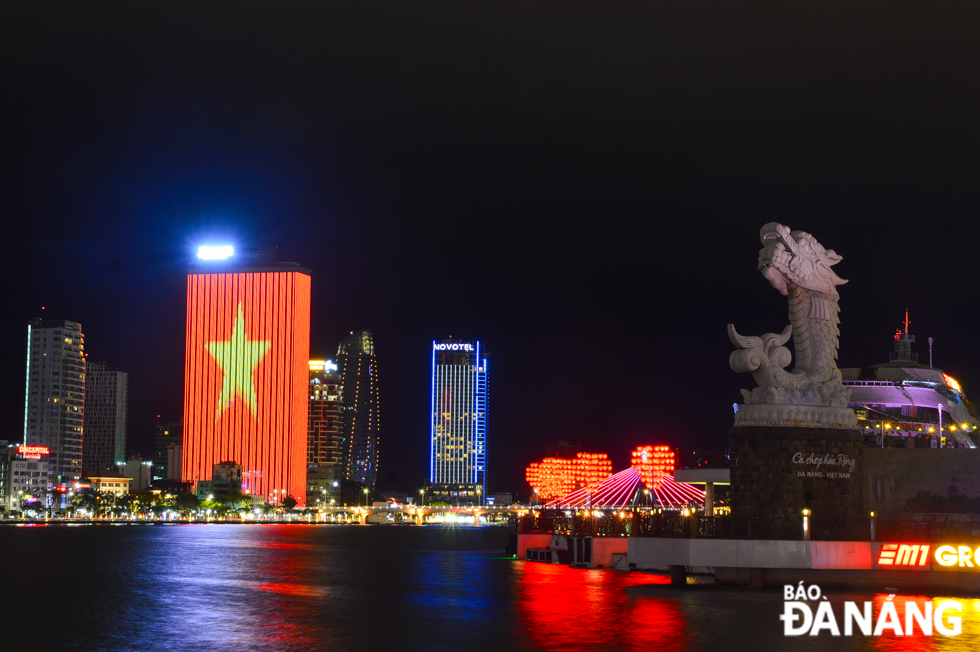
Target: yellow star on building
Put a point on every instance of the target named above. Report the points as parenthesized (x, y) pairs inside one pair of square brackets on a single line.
[(238, 359)]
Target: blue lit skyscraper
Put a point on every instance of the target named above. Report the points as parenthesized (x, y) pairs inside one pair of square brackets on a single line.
[(458, 427)]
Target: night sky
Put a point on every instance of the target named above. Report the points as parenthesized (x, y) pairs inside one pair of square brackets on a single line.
[(579, 186)]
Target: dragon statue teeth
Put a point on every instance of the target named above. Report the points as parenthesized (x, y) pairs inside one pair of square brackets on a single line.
[(811, 395)]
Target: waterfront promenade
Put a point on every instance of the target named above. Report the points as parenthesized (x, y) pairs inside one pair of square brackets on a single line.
[(910, 550), (376, 515)]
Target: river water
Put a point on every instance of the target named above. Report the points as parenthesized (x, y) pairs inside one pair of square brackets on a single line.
[(290, 587)]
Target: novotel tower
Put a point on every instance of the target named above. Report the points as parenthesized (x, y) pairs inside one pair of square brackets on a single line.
[(458, 437), (246, 378)]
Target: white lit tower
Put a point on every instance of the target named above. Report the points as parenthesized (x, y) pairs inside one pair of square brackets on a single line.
[(458, 428), (54, 400)]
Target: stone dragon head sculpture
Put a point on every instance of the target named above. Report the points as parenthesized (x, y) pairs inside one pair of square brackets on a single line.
[(812, 394), (795, 257)]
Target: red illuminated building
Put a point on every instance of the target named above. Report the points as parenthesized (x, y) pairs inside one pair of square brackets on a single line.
[(246, 378), (651, 471), (655, 464), (553, 476)]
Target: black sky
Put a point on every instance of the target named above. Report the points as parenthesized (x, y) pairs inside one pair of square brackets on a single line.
[(578, 185)]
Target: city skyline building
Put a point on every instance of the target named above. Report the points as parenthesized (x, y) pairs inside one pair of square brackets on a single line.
[(106, 402), (358, 367), (175, 457), (326, 446), (246, 374), (226, 478), (458, 424), (54, 401), (139, 471), (167, 436), (5, 456), (25, 484), (110, 482)]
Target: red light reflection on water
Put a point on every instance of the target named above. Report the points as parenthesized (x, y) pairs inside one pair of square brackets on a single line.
[(283, 623), (572, 609), (281, 545), (290, 589), (888, 639)]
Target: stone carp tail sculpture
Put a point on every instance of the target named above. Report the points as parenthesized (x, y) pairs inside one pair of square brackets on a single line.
[(811, 395)]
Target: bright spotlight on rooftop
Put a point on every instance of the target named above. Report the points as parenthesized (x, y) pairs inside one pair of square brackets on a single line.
[(215, 253)]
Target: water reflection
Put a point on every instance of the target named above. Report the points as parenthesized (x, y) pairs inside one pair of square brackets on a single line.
[(383, 588), (250, 588), (571, 609)]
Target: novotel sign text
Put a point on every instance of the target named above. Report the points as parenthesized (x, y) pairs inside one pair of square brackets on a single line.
[(33, 452), (452, 347)]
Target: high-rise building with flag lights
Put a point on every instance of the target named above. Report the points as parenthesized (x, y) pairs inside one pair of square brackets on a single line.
[(54, 405), (458, 426), (246, 379), (358, 368)]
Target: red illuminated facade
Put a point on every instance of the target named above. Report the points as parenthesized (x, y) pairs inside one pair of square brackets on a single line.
[(651, 472), (553, 476), (655, 464), (246, 378)]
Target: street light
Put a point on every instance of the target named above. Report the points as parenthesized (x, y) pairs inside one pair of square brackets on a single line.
[(422, 492), (365, 496)]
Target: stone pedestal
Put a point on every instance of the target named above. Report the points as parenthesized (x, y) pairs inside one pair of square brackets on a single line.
[(777, 471)]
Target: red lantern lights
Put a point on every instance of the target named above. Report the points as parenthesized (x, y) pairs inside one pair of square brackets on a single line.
[(654, 464), (553, 476)]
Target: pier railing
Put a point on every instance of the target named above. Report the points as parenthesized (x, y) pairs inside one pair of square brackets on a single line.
[(679, 526), (928, 531)]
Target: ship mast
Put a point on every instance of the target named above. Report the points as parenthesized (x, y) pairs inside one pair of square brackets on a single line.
[(903, 344)]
